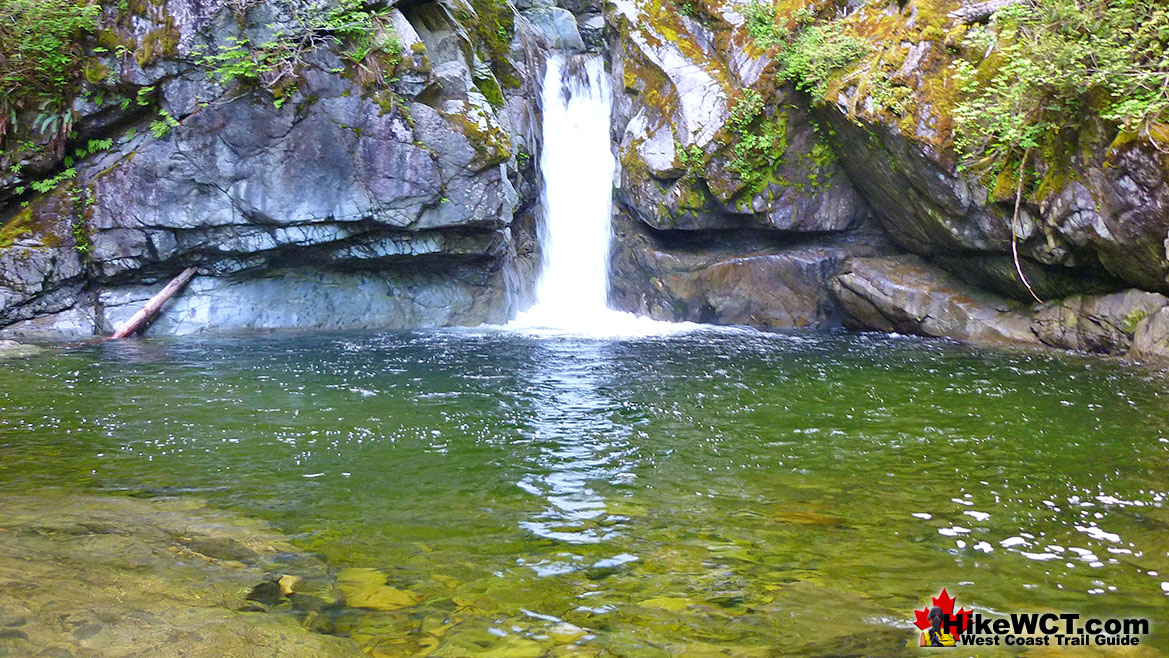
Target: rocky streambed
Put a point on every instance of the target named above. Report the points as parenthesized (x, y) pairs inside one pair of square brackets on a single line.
[(87, 575)]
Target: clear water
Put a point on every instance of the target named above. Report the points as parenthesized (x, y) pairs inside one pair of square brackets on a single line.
[(714, 492)]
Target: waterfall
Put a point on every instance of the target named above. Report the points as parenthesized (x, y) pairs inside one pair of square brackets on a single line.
[(577, 166)]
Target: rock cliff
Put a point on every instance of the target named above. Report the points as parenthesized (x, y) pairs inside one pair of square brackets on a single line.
[(327, 164), (367, 163), (829, 131)]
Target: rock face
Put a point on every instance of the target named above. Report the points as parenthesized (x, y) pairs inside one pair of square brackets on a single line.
[(399, 190), (906, 294), (392, 181), (767, 179), (745, 203), (755, 278)]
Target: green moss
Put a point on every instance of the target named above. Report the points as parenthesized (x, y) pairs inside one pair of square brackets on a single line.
[(491, 146), (1133, 319), (507, 77), (493, 25), (158, 43), (16, 228), (692, 197), (490, 89), (818, 163), (96, 72), (756, 140), (36, 222), (109, 39), (386, 101)]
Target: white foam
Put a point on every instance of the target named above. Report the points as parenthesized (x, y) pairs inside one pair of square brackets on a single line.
[(577, 165)]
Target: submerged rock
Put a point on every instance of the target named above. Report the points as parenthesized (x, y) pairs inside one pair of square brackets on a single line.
[(366, 587), (105, 576), (13, 349)]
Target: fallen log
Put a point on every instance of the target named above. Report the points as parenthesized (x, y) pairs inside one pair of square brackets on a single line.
[(142, 318)]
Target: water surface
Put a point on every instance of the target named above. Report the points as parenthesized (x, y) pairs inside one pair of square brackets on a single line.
[(717, 492)]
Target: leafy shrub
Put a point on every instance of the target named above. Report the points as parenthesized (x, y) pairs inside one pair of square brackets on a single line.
[(693, 158), (758, 140), (809, 53), (817, 52), (762, 24), (367, 36), (39, 54), (162, 126), (1038, 70)]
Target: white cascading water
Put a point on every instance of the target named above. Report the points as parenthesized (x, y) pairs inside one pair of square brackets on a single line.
[(577, 166)]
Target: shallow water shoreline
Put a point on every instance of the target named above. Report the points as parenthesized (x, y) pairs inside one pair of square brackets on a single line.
[(95, 575), (488, 493)]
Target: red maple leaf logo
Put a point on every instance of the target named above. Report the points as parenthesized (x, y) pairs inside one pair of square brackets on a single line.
[(946, 603)]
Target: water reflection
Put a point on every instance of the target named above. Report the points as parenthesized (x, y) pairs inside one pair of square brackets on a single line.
[(491, 475), (579, 443)]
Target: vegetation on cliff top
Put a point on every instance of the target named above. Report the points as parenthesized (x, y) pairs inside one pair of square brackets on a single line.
[(39, 54), (808, 53), (1040, 70), (366, 36), (1027, 79)]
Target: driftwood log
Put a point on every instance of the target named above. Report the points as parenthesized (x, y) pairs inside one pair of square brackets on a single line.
[(142, 318)]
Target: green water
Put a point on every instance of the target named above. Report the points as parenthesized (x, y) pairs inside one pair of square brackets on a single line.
[(734, 493)]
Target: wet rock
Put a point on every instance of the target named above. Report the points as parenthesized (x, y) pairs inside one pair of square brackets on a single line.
[(287, 582), (677, 84), (221, 548), (134, 589), (1105, 205), (367, 588), (1101, 323), (592, 31), (13, 349), (267, 593), (558, 26), (907, 295), (998, 274), (582, 6), (1095, 225), (727, 278), (565, 633), (346, 183), (40, 266), (924, 206), (686, 168), (1151, 338), (322, 298)]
